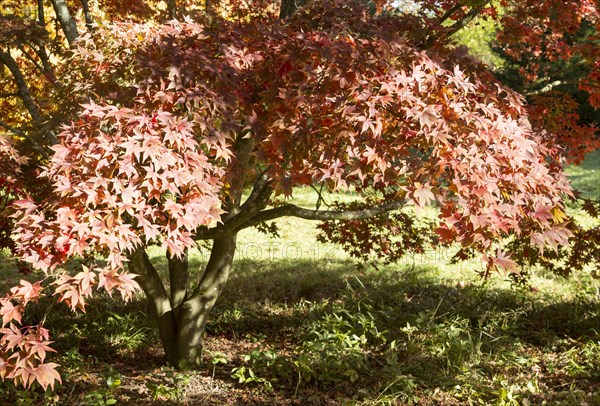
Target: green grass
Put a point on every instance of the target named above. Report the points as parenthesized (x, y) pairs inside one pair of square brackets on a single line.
[(302, 323), (585, 178)]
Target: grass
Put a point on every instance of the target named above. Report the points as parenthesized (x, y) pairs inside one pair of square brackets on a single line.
[(302, 323), (586, 177)]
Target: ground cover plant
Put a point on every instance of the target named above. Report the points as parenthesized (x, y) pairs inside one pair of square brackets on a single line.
[(159, 137)]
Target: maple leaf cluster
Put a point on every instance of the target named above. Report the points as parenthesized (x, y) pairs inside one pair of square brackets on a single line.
[(11, 161), (543, 46), (123, 180), (583, 252), (120, 180), (23, 349)]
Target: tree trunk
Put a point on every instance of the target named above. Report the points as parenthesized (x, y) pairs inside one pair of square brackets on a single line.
[(194, 310), (89, 23), (288, 7), (67, 22), (182, 315), (7, 60), (172, 9), (155, 291)]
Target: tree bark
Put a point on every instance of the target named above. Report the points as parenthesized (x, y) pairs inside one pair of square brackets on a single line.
[(182, 315), (172, 9), (67, 22), (288, 7), (155, 291), (7, 60), (40, 12), (195, 310), (178, 280), (89, 22)]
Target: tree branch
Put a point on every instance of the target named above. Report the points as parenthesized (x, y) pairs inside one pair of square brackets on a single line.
[(257, 201), (319, 192), (89, 22), (259, 197), (43, 55), (68, 24), (32, 60), (459, 24), (450, 12), (34, 143), (291, 210), (40, 12), (548, 87), (8, 61), (172, 9), (12, 129)]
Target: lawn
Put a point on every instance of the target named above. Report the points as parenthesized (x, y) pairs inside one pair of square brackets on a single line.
[(302, 323)]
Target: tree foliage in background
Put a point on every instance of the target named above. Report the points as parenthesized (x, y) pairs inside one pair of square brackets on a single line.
[(148, 133)]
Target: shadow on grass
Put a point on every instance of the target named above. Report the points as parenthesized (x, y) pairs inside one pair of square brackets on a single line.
[(431, 332), (259, 288), (326, 329)]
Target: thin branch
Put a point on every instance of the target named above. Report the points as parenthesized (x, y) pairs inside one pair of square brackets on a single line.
[(32, 60), (89, 23), (550, 86), (467, 18), (40, 12), (43, 55), (12, 129), (450, 12), (319, 193), (34, 143), (458, 25)]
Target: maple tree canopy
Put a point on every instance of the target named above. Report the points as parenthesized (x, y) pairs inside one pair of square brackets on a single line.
[(176, 120), (343, 100)]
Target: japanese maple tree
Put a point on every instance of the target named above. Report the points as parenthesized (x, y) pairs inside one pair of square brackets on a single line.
[(175, 121)]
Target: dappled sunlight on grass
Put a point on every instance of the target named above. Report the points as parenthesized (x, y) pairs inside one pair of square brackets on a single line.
[(585, 178), (412, 332)]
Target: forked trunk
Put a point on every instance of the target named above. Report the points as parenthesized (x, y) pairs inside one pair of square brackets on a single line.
[(194, 312), (182, 313)]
